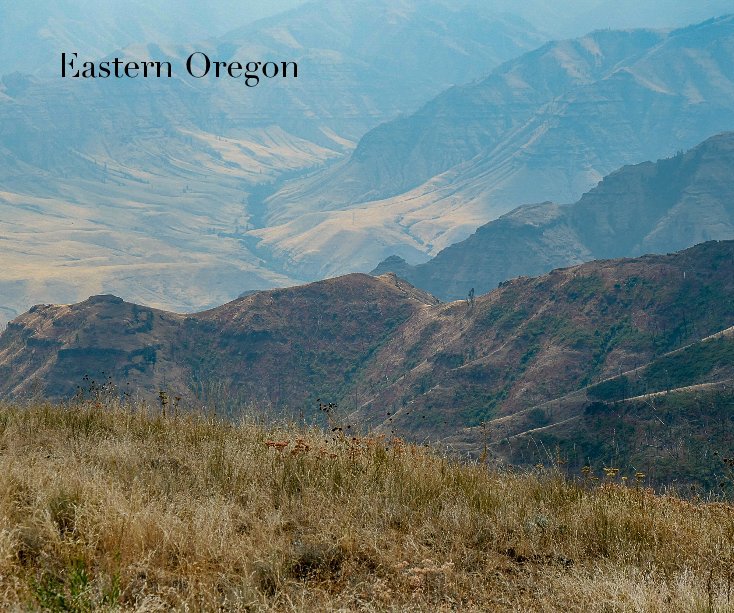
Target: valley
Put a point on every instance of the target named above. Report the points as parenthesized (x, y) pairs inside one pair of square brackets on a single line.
[(367, 305), (94, 171), (546, 126)]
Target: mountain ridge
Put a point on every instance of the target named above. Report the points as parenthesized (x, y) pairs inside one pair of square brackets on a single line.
[(148, 188), (667, 205), (546, 126), (386, 357)]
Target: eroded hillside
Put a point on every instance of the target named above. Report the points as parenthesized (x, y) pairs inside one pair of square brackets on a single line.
[(535, 352)]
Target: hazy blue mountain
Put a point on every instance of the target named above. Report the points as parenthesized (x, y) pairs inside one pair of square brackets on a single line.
[(620, 14), (647, 208), (546, 126), (147, 188), (32, 37), (572, 18)]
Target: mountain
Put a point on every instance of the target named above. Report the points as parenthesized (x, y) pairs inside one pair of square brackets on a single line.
[(535, 339), (658, 207), (284, 346), (607, 364), (672, 417), (31, 41), (148, 188), (533, 353), (574, 18), (545, 126), (619, 14)]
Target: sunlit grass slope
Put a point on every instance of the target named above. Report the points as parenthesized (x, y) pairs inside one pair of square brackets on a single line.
[(112, 508)]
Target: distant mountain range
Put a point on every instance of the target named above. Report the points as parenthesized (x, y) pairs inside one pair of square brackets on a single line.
[(182, 194), (32, 38), (647, 208), (148, 188), (545, 126), (554, 352)]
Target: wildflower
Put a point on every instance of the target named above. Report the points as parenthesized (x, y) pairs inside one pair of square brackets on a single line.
[(279, 445)]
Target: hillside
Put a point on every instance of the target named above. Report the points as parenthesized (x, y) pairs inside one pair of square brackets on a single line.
[(533, 340), (389, 359), (148, 188), (545, 126), (283, 348), (651, 207), (109, 507), (671, 418)]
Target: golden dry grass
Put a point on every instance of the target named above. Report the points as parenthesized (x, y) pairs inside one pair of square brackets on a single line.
[(103, 507)]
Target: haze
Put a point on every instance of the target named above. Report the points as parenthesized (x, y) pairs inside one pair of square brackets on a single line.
[(32, 35)]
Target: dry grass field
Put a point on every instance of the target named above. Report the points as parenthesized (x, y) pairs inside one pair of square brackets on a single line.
[(106, 507)]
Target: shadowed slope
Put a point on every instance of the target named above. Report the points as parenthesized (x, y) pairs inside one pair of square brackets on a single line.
[(651, 207)]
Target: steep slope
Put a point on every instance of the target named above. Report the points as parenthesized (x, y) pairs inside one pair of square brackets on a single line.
[(97, 176), (651, 207), (548, 125), (284, 347), (469, 120), (671, 418), (697, 377), (388, 354), (534, 340)]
